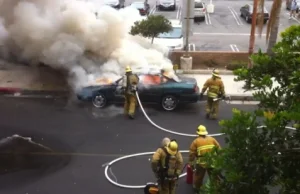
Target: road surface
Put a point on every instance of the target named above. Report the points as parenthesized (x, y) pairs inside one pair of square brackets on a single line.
[(225, 29), (84, 139)]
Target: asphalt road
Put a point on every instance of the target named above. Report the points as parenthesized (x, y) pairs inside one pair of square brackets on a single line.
[(225, 30), (84, 139)]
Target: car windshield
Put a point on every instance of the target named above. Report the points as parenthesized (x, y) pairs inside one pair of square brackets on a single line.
[(138, 5), (175, 33), (198, 5)]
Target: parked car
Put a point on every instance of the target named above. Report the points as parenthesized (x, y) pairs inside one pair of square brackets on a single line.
[(172, 39), (288, 5), (117, 4), (152, 89), (166, 5), (247, 11), (199, 10), (143, 8)]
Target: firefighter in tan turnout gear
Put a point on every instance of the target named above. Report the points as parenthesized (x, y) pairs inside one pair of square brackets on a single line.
[(198, 148), (216, 90), (130, 82), (167, 165)]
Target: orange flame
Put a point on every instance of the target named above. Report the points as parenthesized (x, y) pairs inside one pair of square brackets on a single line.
[(104, 81)]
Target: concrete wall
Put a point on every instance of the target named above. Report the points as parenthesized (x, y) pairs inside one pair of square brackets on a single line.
[(208, 59)]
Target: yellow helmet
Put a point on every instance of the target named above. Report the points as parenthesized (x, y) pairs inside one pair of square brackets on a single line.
[(216, 73), (172, 147), (128, 69), (202, 130)]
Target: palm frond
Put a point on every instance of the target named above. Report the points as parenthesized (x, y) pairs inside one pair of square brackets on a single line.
[(275, 6)]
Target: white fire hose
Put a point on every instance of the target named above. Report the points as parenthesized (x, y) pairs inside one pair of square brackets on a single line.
[(108, 165), (169, 131)]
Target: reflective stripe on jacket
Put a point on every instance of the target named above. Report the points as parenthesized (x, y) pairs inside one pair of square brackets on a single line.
[(215, 87), (200, 146)]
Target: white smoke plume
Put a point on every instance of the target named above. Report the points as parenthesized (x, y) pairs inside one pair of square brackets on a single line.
[(67, 34)]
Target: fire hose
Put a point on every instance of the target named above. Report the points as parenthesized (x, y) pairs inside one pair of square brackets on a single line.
[(166, 130), (108, 165)]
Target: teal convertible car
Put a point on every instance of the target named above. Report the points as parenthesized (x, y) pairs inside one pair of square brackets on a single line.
[(152, 88)]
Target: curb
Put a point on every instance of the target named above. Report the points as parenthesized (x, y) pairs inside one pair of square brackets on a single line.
[(19, 92), (203, 72), (237, 97)]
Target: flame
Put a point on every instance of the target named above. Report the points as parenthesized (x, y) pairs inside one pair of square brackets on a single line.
[(104, 81)]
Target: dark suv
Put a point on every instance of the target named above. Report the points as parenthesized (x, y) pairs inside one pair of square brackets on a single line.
[(247, 11)]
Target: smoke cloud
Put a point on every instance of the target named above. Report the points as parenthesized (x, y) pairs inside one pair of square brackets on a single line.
[(67, 34)]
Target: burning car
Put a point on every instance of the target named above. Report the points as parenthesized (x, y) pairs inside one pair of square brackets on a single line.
[(153, 89)]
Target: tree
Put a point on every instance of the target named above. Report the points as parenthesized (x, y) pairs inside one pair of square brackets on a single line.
[(273, 23), (262, 151), (151, 27)]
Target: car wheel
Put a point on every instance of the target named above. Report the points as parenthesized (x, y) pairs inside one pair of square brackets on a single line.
[(247, 19), (99, 101), (169, 102)]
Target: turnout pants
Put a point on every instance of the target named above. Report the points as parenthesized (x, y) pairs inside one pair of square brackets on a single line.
[(212, 107), (130, 104), (167, 187), (199, 176)]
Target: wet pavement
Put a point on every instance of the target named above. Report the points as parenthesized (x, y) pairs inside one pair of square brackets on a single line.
[(81, 139)]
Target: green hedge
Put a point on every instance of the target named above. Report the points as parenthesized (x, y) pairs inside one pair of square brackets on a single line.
[(233, 65)]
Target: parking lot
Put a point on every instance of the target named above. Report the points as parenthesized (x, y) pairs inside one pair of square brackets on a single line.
[(225, 30)]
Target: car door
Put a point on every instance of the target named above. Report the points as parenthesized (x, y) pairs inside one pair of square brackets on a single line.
[(118, 91), (150, 88)]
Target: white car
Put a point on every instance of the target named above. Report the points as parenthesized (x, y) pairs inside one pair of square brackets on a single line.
[(172, 39), (199, 10), (166, 5)]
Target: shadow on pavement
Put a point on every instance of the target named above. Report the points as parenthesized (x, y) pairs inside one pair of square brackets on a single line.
[(23, 161)]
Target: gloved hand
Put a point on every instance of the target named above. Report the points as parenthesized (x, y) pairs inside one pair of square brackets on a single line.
[(133, 88), (190, 165), (201, 96)]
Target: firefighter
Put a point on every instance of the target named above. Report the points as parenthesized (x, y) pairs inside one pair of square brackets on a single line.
[(215, 90), (201, 145), (130, 82), (167, 165)]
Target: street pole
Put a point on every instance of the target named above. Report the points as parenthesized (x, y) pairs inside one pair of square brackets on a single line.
[(252, 34), (187, 33)]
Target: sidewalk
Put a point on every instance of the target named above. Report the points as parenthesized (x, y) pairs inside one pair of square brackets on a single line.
[(23, 80), (232, 88)]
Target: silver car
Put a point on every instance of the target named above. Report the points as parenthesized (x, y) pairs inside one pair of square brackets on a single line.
[(199, 10), (166, 5)]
